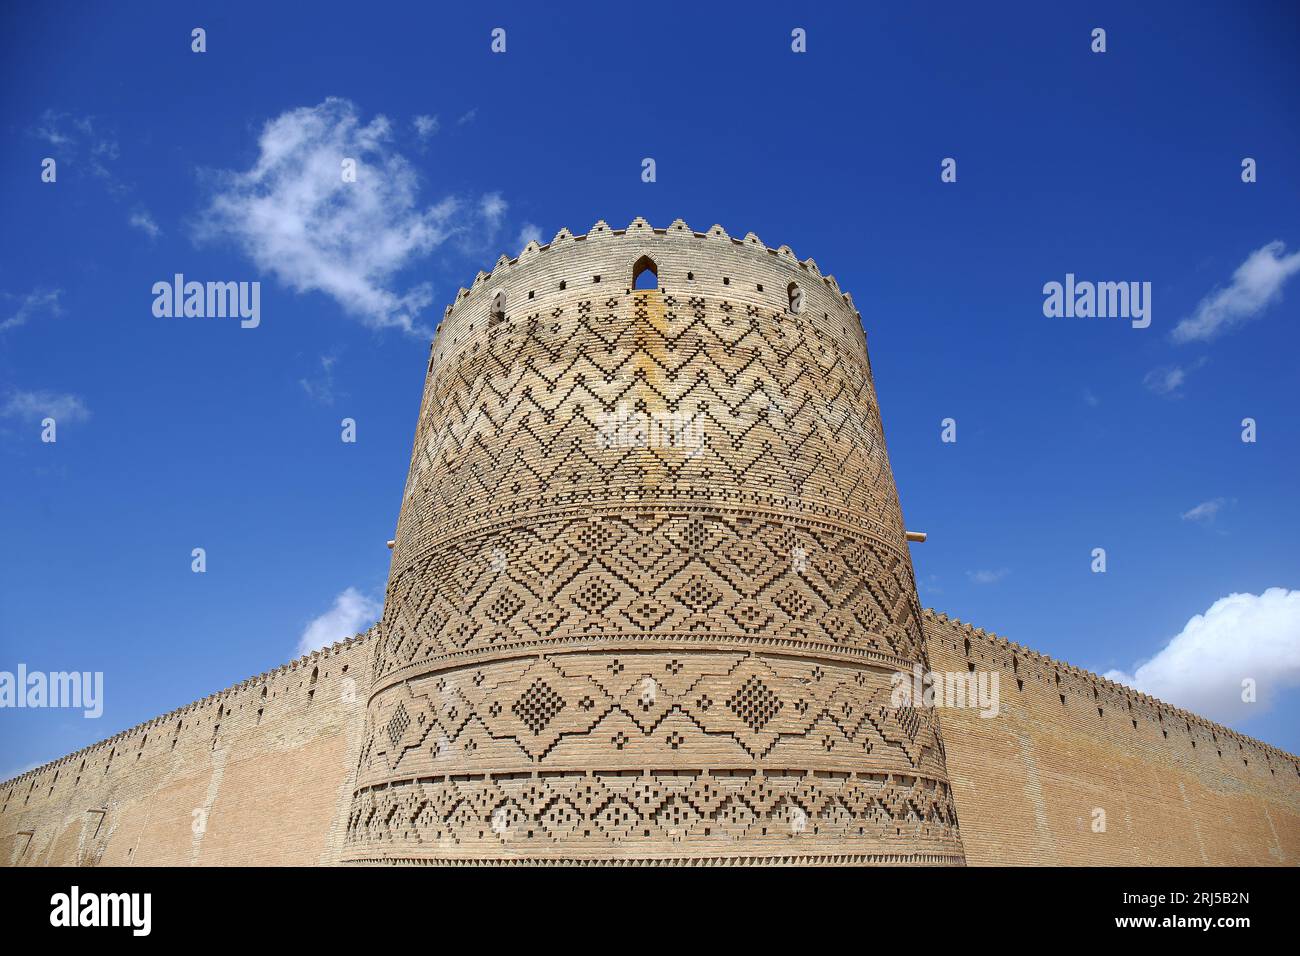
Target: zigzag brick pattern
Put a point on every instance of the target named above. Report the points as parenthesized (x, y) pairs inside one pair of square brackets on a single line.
[(656, 646), (650, 580)]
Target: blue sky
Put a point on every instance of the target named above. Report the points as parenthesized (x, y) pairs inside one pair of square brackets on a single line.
[(1072, 433)]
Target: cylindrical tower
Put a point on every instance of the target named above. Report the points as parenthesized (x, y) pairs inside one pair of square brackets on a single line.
[(650, 580)]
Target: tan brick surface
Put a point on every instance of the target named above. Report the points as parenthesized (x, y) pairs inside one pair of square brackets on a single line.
[(267, 788), (1029, 781), (611, 647), (651, 650)]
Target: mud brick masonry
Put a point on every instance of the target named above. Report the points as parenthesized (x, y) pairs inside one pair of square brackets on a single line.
[(649, 585)]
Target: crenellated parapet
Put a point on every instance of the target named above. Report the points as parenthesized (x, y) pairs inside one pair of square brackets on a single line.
[(639, 228), (687, 261), (983, 648), (203, 707)]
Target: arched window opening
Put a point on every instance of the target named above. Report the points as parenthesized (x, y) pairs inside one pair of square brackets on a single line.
[(498, 313), (796, 298), (645, 274)]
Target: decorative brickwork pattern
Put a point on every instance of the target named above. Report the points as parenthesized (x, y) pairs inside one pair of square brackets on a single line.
[(648, 590), (692, 624), (754, 717)]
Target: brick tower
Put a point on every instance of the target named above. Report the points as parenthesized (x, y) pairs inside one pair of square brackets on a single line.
[(650, 579)]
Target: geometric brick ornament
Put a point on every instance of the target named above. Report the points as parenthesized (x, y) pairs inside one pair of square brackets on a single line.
[(649, 580)]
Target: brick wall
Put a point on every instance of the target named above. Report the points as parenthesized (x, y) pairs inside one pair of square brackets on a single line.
[(1176, 789), (1027, 782), (655, 651), (257, 774)]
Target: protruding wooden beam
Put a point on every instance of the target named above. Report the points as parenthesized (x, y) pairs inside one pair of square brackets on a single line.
[(392, 542), (917, 536)]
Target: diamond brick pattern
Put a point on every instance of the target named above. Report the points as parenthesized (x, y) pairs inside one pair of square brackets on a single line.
[(538, 706), (717, 581), (755, 704), (397, 725)]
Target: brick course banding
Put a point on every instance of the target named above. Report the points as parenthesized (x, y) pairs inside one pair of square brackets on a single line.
[(656, 652)]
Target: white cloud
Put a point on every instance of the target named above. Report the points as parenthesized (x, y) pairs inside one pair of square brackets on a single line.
[(493, 208), (1241, 636), (143, 221), (426, 126), (77, 141), (1168, 380), (1090, 398), (34, 406), (1256, 284), (529, 233), (467, 117), (293, 215), (321, 387), (987, 576), (31, 304), (351, 614), (1206, 511)]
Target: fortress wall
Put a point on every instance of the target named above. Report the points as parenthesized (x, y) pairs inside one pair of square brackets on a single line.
[(1026, 782), (263, 769), (647, 652), (1176, 789)]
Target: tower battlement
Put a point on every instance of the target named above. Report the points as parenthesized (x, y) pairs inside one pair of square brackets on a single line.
[(650, 649), (639, 228)]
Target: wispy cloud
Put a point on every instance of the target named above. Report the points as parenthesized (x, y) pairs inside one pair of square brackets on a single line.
[(528, 233), (467, 117), (143, 221), (1255, 285), (929, 584), (1090, 398), (426, 126), (320, 387), (1168, 380), (294, 216), (78, 141), (28, 306), (987, 576), (351, 614), (1242, 637), (1206, 511), (493, 209), (35, 406)]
